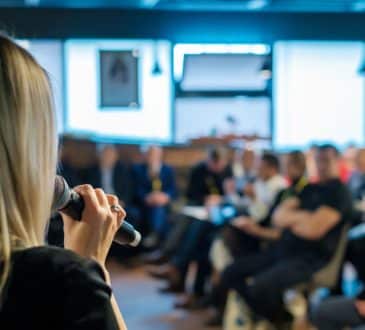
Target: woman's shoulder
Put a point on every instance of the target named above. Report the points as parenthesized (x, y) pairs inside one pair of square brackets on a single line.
[(46, 255), (57, 262), (51, 280)]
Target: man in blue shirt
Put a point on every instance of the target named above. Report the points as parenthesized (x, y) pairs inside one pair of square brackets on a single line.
[(154, 189)]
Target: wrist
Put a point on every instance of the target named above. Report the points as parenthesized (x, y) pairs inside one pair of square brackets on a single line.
[(106, 275)]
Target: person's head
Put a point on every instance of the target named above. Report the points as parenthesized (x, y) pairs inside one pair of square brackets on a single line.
[(108, 155), (248, 159), (217, 159), (327, 162), (349, 157), (154, 155), (28, 150), (360, 161), (295, 165), (269, 166)]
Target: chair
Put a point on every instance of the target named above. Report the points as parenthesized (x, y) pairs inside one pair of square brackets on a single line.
[(326, 277), (237, 314)]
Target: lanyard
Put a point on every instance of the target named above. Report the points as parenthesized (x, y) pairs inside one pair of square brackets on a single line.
[(212, 187), (297, 188), (156, 184)]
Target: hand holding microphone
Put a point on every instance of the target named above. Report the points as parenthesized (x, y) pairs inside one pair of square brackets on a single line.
[(100, 217)]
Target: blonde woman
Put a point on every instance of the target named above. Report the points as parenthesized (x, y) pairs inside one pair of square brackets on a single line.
[(43, 287)]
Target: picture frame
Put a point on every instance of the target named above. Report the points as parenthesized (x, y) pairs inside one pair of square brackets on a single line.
[(119, 79)]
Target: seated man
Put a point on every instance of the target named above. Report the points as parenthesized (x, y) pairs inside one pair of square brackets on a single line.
[(154, 189), (357, 180), (243, 168), (355, 249), (205, 187), (246, 233), (262, 193), (312, 225), (206, 182), (259, 198), (112, 175)]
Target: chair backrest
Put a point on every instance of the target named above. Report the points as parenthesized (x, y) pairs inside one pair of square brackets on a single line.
[(328, 275)]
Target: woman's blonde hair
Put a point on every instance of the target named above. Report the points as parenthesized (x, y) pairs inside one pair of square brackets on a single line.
[(28, 151)]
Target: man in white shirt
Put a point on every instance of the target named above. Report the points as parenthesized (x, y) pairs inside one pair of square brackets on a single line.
[(260, 195)]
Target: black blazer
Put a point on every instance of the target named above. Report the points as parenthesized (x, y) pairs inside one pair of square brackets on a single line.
[(52, 288)]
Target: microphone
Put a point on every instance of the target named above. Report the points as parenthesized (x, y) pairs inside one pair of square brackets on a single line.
[(71, 203)]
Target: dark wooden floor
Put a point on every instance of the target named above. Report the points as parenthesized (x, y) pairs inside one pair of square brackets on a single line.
[(146, 309)]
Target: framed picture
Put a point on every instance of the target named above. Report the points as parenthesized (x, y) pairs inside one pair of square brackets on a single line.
[(119, 78)]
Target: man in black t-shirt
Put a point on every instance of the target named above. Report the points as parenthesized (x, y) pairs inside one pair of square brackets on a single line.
[(312, 224)]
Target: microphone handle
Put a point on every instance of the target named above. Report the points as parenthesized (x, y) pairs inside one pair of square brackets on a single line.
[(75, 206), (126, 234)]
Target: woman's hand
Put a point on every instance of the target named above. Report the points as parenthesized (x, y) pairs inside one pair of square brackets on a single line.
[(93, 235)]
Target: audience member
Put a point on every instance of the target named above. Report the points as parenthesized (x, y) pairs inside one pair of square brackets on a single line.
[(206, 180), (280, 238), (357, 180), (65, 167), (154, 189), (112, 175), (74, 177), (338, 313), (349, 157), (246, 233), (259, 196), (114, 178), (311, 166), (312, 224), (205, 188), (243, 168), (356, 245)]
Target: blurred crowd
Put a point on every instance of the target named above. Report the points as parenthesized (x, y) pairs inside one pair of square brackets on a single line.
[(250, 227)]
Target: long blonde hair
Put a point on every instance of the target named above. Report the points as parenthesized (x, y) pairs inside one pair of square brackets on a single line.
[(28, 152)]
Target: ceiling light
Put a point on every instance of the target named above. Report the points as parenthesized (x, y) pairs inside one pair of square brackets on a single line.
[(257, 4), (358, 6), (151, 3), (32, 2)]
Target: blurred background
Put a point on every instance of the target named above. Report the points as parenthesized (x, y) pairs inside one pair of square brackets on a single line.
[(147, 89)]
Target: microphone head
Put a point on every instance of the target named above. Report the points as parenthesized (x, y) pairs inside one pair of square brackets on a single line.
[(62, 193), (137, 239)]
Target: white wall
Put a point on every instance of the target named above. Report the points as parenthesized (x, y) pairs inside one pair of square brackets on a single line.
[(49, 54), (318, 94), (151, 122)]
